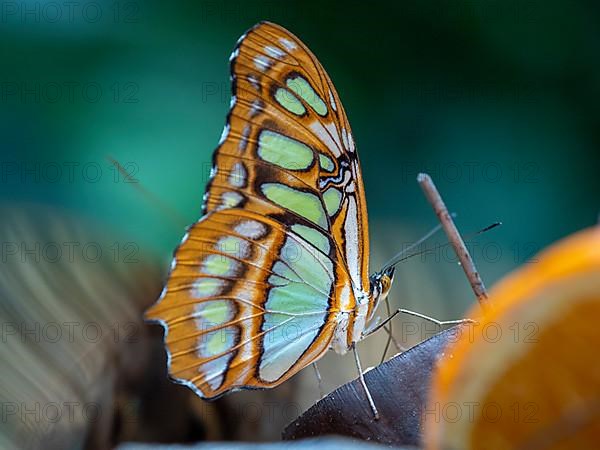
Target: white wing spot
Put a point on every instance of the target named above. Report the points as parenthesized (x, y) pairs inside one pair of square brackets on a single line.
[(332, 101), (230, 199), (244, 140), (255, 109), (214, 370), (237, 177), (345, 138), (334, 132), (234, 246), (274, 52), (263, 63), (351, 147), (254, 82), (351, 228), (325, 137), (289, 45), (251, 229)]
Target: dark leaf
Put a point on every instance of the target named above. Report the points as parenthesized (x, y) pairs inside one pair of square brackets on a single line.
[(399, 387)]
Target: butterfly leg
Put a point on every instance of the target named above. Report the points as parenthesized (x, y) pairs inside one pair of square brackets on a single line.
[(364, 383), (319, 380), (440, 323), (389, 331)]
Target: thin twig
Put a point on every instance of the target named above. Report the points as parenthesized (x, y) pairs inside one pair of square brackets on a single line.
[(433, 196)]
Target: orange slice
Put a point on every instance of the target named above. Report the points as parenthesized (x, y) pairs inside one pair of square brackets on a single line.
[(527, 375)]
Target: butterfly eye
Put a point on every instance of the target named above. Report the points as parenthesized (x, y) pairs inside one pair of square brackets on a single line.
[(386, 284)]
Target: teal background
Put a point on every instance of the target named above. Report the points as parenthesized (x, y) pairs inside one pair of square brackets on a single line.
[(498, 101)]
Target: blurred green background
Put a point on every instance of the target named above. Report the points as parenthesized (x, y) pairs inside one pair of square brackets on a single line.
[(498, 101)]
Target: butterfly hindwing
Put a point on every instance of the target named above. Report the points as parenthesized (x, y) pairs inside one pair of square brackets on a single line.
[(237, 318)]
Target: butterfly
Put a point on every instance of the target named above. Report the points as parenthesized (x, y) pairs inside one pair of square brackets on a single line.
[(276, 271)]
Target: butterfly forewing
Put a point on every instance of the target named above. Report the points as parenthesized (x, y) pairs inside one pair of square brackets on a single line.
[(258, 284), (282, 93)]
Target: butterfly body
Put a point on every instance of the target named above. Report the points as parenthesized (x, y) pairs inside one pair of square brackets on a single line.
[(275, 272)]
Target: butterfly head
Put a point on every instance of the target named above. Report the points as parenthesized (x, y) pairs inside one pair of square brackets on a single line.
[(381, 282)]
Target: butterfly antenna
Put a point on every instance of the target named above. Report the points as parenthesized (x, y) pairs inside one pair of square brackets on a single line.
[(488, 228), (174, 216), (399, 257)]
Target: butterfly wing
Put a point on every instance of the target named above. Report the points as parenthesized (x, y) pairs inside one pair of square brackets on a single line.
[(258, 284)]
